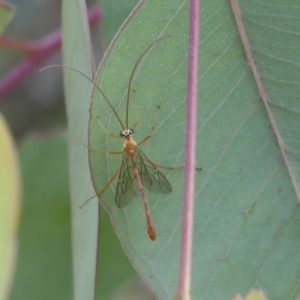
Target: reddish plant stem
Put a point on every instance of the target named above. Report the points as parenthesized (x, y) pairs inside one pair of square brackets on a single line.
[(24, 46), (7, 5), (39, 52), (184, 282)]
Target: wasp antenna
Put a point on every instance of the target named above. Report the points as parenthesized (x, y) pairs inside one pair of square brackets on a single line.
[(133, 71), (93, 82), (81, 206)]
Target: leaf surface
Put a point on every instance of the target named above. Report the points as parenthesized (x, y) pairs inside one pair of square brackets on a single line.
[(246, 215)]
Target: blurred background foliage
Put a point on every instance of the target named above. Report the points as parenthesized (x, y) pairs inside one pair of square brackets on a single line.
[(35, 112)]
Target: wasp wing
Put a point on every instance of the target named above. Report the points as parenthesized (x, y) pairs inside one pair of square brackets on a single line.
[(127, 188), (151, 177)]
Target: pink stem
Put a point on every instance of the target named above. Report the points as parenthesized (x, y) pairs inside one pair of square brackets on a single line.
[(41, 50), (24, 46), (184, 282)]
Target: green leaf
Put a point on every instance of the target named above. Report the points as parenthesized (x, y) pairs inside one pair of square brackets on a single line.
[(44, 259), (85, 221), (77, 54), (114, 13), (246, 214), (6, 13), (9, 208), (45, 233)]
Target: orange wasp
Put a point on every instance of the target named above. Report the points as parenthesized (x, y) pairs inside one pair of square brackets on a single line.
[(136, 171)]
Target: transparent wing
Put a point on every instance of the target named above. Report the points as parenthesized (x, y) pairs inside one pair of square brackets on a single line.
[(127, 188), (151, 177)]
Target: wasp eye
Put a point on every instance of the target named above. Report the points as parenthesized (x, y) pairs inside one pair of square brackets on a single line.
[(121, 133), (131, 131)]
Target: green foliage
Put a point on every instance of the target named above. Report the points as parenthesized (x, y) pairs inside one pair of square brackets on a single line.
[(114, 13), (9, 208), (85, 221), (45, 232), (44, 249), (246, 215), (6, 13)]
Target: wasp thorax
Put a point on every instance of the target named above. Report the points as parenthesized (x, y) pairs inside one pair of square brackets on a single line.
[(126, 132)]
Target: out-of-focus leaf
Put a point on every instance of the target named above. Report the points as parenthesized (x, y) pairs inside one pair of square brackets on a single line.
[(9, 208), (6, 13), (77, 54), (255, 295), (113, 265), (44, 266), (252, 295)]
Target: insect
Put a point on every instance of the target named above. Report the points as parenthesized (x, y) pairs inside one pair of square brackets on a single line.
[(137, 171)]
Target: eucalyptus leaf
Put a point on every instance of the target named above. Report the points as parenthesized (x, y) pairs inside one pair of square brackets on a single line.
[(246, 214), (77, 54)]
